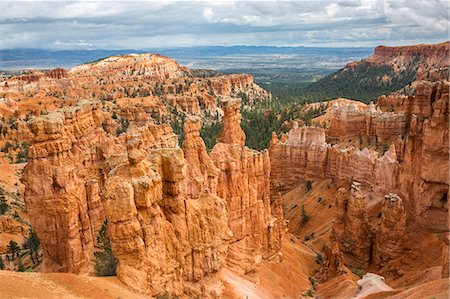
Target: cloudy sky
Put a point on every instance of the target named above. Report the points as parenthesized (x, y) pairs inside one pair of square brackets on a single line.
[(150, 24)]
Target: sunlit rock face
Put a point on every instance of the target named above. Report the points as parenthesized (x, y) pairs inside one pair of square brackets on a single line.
[(404, 172), (168, 230), (244, 184), (415, 143)]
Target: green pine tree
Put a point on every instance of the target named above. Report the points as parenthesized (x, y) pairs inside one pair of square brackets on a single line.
[(105, 261)]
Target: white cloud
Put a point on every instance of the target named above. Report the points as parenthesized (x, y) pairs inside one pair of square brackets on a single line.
[(145, 24)]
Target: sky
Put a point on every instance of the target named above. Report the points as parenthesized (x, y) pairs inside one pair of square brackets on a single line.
[(169, 24)]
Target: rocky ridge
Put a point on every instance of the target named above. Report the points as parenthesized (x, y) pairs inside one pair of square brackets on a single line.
[(175, 215), (389, 162)]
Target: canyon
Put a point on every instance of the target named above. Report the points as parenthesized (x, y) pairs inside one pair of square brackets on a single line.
[(354, 205)]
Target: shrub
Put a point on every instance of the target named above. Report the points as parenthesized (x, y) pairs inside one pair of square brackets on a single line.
[(358, 271), (105, 261), (309, 293), (22, 156), (313, 282), (305, 217), (319, 259), (20, 266), (308, 185), (3, 206), (2, 265), (13, 248), (32, 243)]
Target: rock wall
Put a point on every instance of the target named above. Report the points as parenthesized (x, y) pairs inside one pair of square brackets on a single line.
[(352, 229), (389, 241), (61, 182), (409, 182), (70, 155), (424, 176), (306, 155), (244, 184), (414, 166), (333, 262), (167, 229), (348, 121), (175, 216)]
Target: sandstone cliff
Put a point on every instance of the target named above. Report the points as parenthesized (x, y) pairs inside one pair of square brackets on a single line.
[(398, 151), (151, 84), (244, 184), (389, 241), (430, 58), (62, 186), (165, 241), (176, 216)]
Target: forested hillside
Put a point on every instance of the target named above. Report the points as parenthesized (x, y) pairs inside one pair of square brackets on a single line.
[(363, 81)]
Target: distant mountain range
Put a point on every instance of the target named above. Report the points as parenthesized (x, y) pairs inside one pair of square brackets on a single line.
[(213, 57)]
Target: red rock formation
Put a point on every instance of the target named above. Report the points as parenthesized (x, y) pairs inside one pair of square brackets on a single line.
[(303, 155), (306, 155), (390, 236), (61, 193), (445, 260), (415, 167), (425, 173), (244, 184), (332, 264), (149, 84), (149, 66), (202, 173), (430, 57), (351, 230), (176, 217), (70, 154), (231, 131), (165, 241), (351, 121)]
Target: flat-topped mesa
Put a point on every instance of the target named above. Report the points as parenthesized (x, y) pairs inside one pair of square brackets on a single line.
[(232, 132), (430, 62), (140, 65), (244, 184), (435, 54)]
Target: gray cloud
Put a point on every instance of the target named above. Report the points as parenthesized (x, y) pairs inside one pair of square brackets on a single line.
[(149, 24)]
